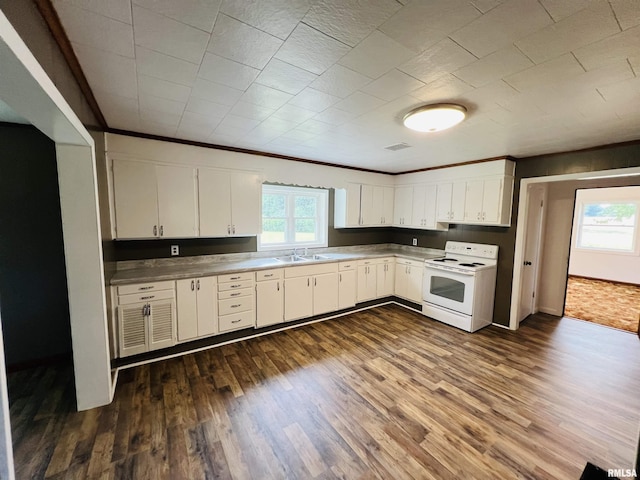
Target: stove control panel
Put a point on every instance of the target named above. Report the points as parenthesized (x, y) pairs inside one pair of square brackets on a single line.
[(472, 249)]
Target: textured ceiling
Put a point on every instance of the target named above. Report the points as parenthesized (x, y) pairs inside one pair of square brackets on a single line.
[(330, 80)]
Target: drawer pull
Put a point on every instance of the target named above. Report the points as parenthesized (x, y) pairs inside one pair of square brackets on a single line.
[(234, 278), (236, 321), (235, 294), (269, 275), (235, 286), (149, 297), (146, 288), (236, 305)]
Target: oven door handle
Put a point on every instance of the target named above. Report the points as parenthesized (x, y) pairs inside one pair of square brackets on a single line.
[(455, 272)]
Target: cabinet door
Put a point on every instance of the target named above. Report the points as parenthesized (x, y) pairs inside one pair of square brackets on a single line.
[(214, 196), (473, 201), (402, 206), (346, 289), (186, 309), (136, 199), (246, 194), (387, 205), (400, 286), (162, 324), (353, 205), (443, 202), (458, 201), (177, 204), (325, 293), (366, 287), (376, 215), (430, 195), (298, 298), (414, 283), (269, 303), (368, 216), (492, 200), (133, 336), (417, 218), (206, 289), (385, 279)]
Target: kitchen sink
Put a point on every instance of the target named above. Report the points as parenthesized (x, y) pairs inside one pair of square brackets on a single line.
[(291, 259), (315, 257)]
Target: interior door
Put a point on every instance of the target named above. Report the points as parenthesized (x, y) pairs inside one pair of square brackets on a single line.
[(533, 240)]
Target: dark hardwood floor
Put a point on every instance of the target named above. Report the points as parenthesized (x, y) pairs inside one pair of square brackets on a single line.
[(384, 393)]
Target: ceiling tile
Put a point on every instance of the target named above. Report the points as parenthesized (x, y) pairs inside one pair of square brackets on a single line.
[(620, 46), (334, 116), (120, 112), (215, 92), (160, 105), (153, 117), (502, 26), (340, 81), (293, 114), (251, 111), (485, 97), (622, 91), (227, 72), (446, 87), (556, 70), (226, 134), (392, 85), (627, 12), (493, 67), (444, 57), (485, 5), (205, 107), (198, 121), (242, 124), (162, 88), (313, 100), (165, 67), (287, 78), (94, 30), (242, 43), (197, 13), (193, 133), (376, 55), (559, 9), (311, 50), (148, 125), (359, 103), (116, 9), (315, 126), (162, 34), (585, 27), (108, 71), (420, 25), (349, 21), (265, 96), (277, 17)]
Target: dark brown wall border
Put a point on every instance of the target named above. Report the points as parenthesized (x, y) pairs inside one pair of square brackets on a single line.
[(459, 164), (52, 20)]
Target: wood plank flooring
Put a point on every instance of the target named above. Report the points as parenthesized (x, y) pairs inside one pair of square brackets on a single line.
[(380, 394)]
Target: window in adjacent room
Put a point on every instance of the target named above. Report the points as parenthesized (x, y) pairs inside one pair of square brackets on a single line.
[(293, 217), (608, 226)]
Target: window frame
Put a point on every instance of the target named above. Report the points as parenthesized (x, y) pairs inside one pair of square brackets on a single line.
[(321, 217), (635, 248)]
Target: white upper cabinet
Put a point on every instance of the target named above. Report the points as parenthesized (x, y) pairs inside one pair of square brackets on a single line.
[(488, 201), (347, 206), (154, 201), (229, 203), (362, 205), (450, 202), (402, 207), (368, 216)]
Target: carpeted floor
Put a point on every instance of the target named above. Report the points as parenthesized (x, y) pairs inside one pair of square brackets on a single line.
[(607, 303)]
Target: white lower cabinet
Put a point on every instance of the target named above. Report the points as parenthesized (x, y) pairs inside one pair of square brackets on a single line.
[(310, 290), (197, 308), (269, 297), (236, 301), (147, 318), (367, 288), (408, 279), (346, 284), (385, 277)]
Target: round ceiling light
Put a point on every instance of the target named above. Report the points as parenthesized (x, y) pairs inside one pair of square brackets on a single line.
[(436, 117)]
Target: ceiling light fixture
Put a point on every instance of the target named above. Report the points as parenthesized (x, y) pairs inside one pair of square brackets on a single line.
[(436, 117)]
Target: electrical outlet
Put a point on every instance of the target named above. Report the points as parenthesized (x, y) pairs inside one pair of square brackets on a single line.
[(175, 250), (415, 242)]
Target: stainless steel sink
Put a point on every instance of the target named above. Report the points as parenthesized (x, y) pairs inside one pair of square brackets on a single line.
[(291, 259), (315, 257)]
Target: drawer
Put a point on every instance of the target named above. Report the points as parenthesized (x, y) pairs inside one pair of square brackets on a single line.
[(342, 266), (236, 321), (235, 305), (235, 277), (235, 285), (412, 263), (145, 297), (274, 274), (367, 262), (145, 287), (235, 293)]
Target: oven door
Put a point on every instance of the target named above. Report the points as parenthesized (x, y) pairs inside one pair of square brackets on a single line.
[(449, 289)]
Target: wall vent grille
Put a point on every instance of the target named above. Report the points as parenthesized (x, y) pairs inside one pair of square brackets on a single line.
[(397, 146)]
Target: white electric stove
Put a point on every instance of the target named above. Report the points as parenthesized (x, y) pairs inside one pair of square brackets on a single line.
[(459, 288)]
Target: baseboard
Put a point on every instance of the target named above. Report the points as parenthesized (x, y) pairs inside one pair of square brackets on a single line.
[(550, 311)]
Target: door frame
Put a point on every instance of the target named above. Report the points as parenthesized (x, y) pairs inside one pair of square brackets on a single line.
[(521, 225)]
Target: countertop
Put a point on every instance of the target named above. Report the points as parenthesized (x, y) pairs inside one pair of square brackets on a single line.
[(190, 267)]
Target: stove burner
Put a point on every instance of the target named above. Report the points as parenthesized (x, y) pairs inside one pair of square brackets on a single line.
[(468, 264), (445, 260)]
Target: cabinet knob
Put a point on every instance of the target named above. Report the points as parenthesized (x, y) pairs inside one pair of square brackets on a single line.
[(198, 285), (192, 285), (229, 229), (161, 230), (155, 230)]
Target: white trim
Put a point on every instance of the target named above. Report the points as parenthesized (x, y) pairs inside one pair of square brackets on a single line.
[(521, 226), (501, 326)]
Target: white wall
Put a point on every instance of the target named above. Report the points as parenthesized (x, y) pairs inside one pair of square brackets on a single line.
[(614, 266)]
